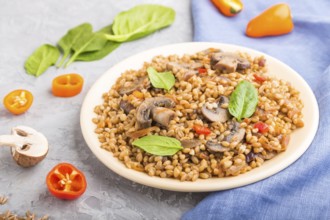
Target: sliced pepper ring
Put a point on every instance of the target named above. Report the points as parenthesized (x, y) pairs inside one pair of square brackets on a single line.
[(18, 101), (65, 181), (67, 85)]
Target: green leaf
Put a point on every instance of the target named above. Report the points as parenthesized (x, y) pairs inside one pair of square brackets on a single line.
[(158, 145), (99, 54), (140, 21), (68, 40), (87, 42), (163, 80), (243, 101), (42, 58)]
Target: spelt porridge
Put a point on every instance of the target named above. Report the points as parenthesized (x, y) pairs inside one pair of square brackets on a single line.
[(195, 111)]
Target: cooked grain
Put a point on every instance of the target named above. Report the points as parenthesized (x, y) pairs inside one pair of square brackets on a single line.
[(279, 107)]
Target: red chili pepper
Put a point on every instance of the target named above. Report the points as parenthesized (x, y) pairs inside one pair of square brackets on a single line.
[(259, 79), (65, 181), (262, 127), (202, 71), (201, 129)]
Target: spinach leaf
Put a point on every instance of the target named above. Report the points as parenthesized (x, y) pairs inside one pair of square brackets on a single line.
[(164, 80), (99, 54), (67, 41), (87, 42), (158, 145), (140, 21), (243, 101), (42, 58)]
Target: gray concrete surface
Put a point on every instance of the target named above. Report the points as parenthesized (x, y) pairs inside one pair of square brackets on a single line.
[(25, 25)]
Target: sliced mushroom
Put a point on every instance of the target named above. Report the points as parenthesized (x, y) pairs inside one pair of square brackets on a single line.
[(137, 84), (143, 115), (191, 66), (216, 114), (126, 106), (250, 156), (188, 74), (162, 115), (228, 62), (189, 69), (210, 51), (237, 134), (28, 147), (190, 143), (215, 147)]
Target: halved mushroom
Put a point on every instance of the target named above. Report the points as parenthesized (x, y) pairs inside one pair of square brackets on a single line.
[(215, 147), (216, 113), (137, 84), (210, 51), (143, 115), (228, 62), (190, 69), (162, 115), (29, 147), (126, 106), (191, 66), (237, 134)]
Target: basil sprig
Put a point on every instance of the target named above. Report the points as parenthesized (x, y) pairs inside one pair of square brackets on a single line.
[(158, 145), (163, 80), (243, 101)]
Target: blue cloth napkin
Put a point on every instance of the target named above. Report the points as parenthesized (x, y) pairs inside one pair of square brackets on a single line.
[(301, 191)]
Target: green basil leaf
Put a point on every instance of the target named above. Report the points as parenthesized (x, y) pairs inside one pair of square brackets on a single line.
[(68, 40), (99, 54), (243, 101), (140, 21), (158, 145), (163, 80), (42, 58)]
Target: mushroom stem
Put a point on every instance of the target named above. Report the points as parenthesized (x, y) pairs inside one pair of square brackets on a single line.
[(28, 146), (9, 141)]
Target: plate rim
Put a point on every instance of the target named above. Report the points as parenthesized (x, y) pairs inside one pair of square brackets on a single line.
[(188, 186)]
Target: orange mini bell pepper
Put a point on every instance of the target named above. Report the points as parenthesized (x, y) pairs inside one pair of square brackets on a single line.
[(276, 20), (67, 85), (18, 101), (228, 7), (65, 181)]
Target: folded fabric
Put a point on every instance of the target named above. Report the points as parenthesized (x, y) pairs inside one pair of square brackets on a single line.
[(301, 191)]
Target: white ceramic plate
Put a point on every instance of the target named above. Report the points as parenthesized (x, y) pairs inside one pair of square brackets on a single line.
[(300, 139)]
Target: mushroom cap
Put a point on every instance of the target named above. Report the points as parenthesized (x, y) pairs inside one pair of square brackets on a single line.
[(237, 134), (228, 62), (137, 84), (31, 146), (143, 114), (162, 115), (218, 114), (215, 147)]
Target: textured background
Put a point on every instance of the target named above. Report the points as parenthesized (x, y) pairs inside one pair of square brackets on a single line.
[(25, 25)]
